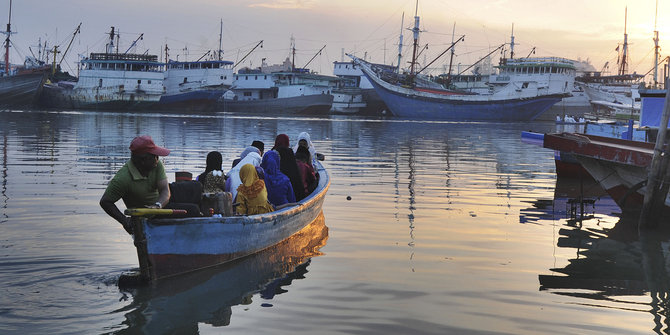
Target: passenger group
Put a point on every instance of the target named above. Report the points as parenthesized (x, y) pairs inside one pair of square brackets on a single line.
[(257, 183)]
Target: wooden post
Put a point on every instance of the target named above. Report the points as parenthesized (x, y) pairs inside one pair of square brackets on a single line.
[(657, 180)]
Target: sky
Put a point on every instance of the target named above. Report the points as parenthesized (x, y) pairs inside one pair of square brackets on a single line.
[(579, 30)]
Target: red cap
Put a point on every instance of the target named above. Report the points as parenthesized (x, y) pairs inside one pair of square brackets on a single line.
[(144, 144)]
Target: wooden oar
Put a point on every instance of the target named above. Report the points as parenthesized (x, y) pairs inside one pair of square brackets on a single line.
[(153, 211)]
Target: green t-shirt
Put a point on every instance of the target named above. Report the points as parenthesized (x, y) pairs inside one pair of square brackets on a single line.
[(136, 190)]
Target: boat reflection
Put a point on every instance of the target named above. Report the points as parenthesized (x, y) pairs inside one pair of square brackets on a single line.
[(612, 266), (575, 200), (179, 304)]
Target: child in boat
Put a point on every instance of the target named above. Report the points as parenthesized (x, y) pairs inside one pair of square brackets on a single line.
[(252, 197)]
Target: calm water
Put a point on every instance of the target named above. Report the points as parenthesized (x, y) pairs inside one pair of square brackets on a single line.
[(451, 228)]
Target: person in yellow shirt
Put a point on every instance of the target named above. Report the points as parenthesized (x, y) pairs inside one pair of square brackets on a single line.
[(252, 197)]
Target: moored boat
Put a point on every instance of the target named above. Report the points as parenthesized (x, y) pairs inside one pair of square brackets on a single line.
[(516, 102), (293, 92), (110, 80), (195, 86), (20, 86), (620, 166), (171, 246)]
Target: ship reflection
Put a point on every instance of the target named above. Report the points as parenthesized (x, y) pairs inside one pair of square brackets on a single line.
[(576, 200), (177, 305), (612, 265)]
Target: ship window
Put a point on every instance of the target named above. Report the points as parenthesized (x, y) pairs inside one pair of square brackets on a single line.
[(100, 83), (255, 77), (237, 77), (221, 77), (266, 77), (524, 85), (148, 81), (247, 94), (139, 81)]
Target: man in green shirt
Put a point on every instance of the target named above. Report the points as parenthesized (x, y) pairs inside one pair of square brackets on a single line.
[(141, 182)]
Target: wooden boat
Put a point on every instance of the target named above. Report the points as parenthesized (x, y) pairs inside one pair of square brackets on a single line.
[(172, 246), (620, 166)]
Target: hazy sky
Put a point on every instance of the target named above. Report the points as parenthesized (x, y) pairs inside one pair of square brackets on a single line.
[(585, 29)]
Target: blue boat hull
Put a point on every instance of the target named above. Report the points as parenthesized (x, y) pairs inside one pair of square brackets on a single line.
[(200, 100), (449, 109)]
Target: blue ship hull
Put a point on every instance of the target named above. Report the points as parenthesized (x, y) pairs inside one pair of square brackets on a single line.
[(414, 107), (200, 100)]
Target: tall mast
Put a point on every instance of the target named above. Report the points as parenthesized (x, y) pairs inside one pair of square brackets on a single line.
[(400, 41), (220, 39), (8, 33), (110, 45), (623, 64), (656, 54), (293, 52), (451, 59), (416, 37), (511, 44)]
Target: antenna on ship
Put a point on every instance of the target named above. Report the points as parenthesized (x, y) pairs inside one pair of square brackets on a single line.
[(402, 21)]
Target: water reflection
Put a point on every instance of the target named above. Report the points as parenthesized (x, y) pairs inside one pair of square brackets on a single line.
[(177, 305), (575, 200), (612, 266)]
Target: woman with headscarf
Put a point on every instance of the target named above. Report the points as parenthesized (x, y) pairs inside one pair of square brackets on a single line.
[(234, 181), (213, 180), (309, 179), (252, 197), (289, 167), (281, 141), (279, 188)]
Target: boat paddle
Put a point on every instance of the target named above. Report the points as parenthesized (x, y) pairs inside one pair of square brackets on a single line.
[(153, 211)]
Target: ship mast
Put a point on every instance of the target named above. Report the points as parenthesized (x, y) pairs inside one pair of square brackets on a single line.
[(656, 47), (8, 33), (400, 41), (623, 62), (451, 59), (511, 44), (220, 39), (416, 38), (110, 45)]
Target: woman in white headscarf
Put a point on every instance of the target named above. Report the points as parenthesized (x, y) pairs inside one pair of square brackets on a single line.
[(306, 142), (234, 180)]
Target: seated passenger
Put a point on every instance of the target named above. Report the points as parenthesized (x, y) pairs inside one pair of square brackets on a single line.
[(305, 141), (213, 179), (278, 185), (289, 167), (253, 158), (252, 197), (309, 180)]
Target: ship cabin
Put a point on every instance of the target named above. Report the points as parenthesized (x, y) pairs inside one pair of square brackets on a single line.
[(188, 76), (122, 72)]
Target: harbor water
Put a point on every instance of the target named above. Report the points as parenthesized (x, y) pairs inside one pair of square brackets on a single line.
[(428, 228)]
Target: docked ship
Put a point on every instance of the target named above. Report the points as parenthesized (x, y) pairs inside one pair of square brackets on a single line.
[(291, 91), (110, 80), (20, 86), (355, 93), (195, 86), (507, 98)]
